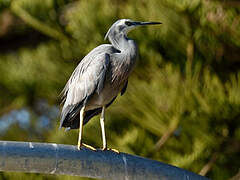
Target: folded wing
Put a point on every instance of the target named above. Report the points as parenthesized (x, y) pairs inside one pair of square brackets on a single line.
[(88, 78)]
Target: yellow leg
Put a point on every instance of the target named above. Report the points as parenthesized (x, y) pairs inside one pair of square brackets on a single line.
[(103, 129), (80, 128), (103, 132)]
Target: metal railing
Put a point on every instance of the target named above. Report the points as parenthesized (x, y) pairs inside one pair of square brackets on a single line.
[(66, 159)]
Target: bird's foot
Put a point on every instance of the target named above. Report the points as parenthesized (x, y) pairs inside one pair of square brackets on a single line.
[(110, 149), (87, 146)]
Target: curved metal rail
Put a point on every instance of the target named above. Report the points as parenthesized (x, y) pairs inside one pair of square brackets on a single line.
[(66, 159)]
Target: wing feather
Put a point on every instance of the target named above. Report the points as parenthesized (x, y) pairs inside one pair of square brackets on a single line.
[(87, 78)]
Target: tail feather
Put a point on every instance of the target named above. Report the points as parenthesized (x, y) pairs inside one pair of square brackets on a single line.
[(70, 115), (74, 123)]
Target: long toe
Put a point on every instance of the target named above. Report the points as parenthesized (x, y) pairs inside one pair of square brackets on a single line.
[(89, 147), (115, 150)]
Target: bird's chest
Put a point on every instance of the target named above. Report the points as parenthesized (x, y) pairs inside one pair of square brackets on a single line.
[(120, 71), (105, 96), (116, 77)]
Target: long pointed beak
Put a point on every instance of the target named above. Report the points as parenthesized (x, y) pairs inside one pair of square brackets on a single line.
[(146, 23)]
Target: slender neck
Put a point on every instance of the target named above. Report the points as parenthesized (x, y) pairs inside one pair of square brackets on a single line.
[(128, 48), (120, 41)]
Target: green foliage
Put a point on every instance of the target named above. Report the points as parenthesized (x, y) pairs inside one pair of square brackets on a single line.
[(182, 105)]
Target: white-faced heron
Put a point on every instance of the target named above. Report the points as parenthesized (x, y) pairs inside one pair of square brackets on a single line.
[(99, 78)]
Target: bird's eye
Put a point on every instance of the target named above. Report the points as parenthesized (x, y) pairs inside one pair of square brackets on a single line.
[(128, 23)]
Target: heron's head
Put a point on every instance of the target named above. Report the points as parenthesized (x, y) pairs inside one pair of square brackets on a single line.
[(123, 26)]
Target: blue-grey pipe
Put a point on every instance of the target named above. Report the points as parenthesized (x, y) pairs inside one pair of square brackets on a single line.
[(66, 159)]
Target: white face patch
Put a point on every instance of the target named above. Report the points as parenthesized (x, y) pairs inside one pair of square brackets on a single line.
[(120, 27), (122, 21), (121, 24)]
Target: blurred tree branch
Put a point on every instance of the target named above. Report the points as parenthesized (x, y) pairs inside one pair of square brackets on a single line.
[(236, 177), (25, 16), (206, 168), (172, 127)]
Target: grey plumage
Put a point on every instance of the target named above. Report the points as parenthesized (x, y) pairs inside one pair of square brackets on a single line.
[(87, 82), (100, 76)]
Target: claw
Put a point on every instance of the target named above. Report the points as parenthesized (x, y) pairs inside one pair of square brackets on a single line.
[(105, 149), (110, 149)]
